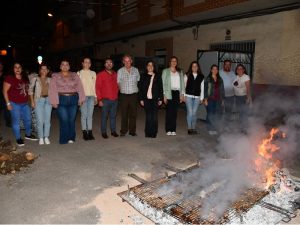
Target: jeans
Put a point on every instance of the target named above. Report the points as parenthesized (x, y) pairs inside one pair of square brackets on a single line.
[(109, 108), (151, 124), (87, 109), (20, 111), (171, 112), (228, 105), (129, 112), (192, 105), (67, 110), (43, 116), (243, 110), (214, 112)]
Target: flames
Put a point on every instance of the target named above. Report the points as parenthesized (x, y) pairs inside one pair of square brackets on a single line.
[(266, 164)]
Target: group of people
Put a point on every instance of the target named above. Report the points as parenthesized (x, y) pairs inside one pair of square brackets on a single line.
[(66, 90)]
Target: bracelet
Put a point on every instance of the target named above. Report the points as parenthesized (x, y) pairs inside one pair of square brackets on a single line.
[(8, 103)]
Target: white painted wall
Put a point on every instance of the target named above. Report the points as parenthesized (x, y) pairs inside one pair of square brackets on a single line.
[(277, 53)]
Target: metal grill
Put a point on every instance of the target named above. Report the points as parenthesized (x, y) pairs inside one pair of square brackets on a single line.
[(188, 210)]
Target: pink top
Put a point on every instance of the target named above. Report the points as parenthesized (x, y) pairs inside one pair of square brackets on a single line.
[(61, 84)]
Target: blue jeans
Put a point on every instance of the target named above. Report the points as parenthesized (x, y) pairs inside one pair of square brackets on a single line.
[(20, 111), (43, 116), (109, 108), (192, 105), (243, 110), (67, 110), (87, 110), (214, 112)]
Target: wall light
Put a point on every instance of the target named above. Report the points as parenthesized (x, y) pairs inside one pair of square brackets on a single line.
[(50, 14), (3, 52)]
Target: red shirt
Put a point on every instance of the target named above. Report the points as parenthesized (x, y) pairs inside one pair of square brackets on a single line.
[(107, 85), (18, 91), (216, 92)]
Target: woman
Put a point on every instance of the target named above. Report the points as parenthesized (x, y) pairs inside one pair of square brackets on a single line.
[(38, 91), (213, 99), (173, 88), (194, 94), (88, 79), (151, 96), (241, 87), (15, 91), (65, 94)]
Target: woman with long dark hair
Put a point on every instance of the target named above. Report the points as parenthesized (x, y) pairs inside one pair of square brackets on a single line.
[(173, 87), (65, 94), (151, 97), (242, 92), (15, 91), (213, 98), (194, 94), (38, 91)]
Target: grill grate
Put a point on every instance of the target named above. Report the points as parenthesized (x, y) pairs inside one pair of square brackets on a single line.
[(188, 210)]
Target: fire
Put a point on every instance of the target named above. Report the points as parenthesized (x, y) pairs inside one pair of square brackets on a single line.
[(265, 162)]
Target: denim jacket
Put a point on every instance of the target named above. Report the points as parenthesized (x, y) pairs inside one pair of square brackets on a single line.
[(209, 87)]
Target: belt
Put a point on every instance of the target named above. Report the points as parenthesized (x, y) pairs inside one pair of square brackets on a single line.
[(129, 94), (44, 96), (68, 93)]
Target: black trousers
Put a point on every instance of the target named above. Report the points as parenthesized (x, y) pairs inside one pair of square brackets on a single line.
[(151, 123), (171, 111), (128, 105)]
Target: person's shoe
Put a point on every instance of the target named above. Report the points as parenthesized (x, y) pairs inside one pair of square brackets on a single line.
[(47, 141), (133, 134), (41, 141), (173, 133), (194, 131), (90, 135), (190, 131), (169, 133), (70, 141), (31, 137), (122, 135), (114, 134), (85, 135), (20, 142), (104, 135)]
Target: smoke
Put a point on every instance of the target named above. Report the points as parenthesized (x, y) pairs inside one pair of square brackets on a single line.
[(221, 180)]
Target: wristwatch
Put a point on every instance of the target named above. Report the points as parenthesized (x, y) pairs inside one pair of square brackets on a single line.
[(8, 103)]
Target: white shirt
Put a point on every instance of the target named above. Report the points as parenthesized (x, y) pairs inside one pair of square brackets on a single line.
[(175, 81), (88, 80), (201, 87), (240, 89), (228, 78)]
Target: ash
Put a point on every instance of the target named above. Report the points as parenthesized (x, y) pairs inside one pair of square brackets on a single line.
[(261, 215), (157, 216)]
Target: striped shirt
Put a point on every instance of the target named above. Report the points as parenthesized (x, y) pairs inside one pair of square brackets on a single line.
[(128, 81)]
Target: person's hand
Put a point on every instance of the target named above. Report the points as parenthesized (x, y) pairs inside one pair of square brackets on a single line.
[(54, 105), (33, 105), (96, 101), (182, 98), (100, 103), (249, 102), (159, 103), (165, 100), (142, 103), (9, 107), (205, 102)]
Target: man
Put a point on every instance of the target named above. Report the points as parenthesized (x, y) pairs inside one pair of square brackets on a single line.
[(107, 95), (3, 107), (228, 77), (128, 78)]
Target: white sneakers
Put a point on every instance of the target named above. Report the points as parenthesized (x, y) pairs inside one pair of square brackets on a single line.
[(44, 141), (41, 141), (70, 142), (47, 141), (169, 133), (212, 132)]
